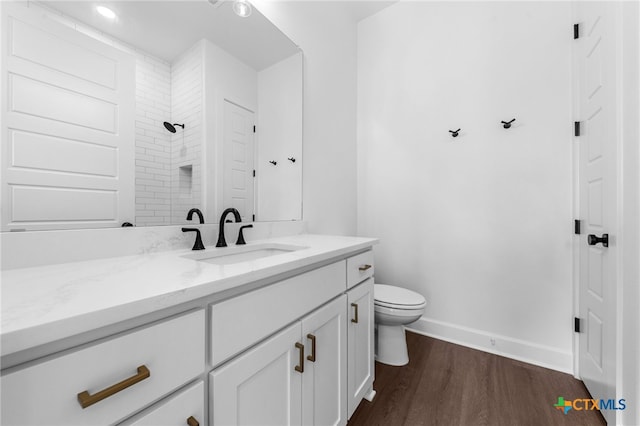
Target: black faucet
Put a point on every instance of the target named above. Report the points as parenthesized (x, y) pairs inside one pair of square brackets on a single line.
[(196, 211), (221, 241), (197, 245), (241, 240)]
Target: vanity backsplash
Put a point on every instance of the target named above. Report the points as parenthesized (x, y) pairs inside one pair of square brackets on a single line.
[(37, 248)]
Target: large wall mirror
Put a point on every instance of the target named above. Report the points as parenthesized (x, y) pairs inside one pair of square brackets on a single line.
[(140, 112)]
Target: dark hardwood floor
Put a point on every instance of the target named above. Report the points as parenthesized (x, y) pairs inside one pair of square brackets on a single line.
[(447, 384)]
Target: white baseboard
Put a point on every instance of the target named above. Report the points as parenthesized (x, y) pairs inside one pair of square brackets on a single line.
[(521, 350)]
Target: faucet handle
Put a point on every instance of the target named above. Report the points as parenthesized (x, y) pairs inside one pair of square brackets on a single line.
[(241, 240), (197, 245)]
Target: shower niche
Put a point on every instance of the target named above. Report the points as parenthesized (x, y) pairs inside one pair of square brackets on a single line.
[(185, 181)]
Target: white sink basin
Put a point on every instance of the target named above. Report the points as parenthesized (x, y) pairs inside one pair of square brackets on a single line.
[(237, 254)]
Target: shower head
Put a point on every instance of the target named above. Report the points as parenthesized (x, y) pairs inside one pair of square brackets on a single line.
[(170, 127)]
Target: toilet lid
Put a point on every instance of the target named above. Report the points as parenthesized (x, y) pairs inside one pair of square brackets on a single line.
[(393, 296)]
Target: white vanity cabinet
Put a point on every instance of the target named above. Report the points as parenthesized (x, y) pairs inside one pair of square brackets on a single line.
[(361, 344), (289, 347), (283, 380), (360, 270), (324, 384), (85, 386)]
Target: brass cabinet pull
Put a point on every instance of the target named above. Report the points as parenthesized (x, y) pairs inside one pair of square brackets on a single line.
[(300, 367), (85, 399), (364, 267), (191, 421), (312, 357), (355, 320)]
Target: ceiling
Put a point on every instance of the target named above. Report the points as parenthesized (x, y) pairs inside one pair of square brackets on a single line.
[(166, 29), (362, 9)]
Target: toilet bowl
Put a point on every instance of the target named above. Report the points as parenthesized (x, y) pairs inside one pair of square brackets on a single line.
[(394, 307)]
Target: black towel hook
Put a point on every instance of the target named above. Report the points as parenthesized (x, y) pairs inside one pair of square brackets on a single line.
[(507, 124), (293, 160), (275, 163), (454, 133)]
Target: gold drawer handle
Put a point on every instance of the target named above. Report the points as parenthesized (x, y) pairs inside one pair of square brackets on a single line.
[(300, 367), (86, 400), (363, 268), (191, 421), (355, 320), (312, 357)]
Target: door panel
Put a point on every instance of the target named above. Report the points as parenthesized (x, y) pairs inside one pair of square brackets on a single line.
[(360, 334), (324, 385), (238, 153), (595, 71), (260, 386), (68, 123)]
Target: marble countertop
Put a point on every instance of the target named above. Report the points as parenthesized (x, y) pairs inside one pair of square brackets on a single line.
[(47, 303)]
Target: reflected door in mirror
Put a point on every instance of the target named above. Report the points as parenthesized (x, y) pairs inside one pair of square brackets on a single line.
[(238, 153)]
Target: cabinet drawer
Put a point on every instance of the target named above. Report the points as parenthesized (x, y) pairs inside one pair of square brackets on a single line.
[(187, 405), (359, 268), (243, 321), (47, 393)]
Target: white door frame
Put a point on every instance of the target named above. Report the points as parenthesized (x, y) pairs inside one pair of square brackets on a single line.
[(627, 230)]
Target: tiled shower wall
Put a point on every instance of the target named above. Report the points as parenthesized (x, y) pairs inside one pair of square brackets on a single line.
[(153, 141), (186, 153)]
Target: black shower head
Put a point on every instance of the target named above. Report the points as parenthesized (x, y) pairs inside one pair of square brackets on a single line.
[(170, 127)]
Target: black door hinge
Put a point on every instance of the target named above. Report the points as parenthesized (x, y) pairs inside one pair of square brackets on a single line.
[(253, 218), (576, 31), (576, 226), (576, 128), (254, 129), (254, 173), (576, 324)]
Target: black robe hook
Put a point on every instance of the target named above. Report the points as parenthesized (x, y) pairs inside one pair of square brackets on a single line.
[(507, 124), (454, 133)]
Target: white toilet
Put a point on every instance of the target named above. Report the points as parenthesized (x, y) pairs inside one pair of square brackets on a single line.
[(394, 308)]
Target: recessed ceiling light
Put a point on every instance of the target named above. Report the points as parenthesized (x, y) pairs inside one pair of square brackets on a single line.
[(242, 8), (106, 12)]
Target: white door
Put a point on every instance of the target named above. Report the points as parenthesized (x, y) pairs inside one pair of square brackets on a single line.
[(324, 385), (596, 103), (360, 343), (68, 112), (238, 153), (261, 386)]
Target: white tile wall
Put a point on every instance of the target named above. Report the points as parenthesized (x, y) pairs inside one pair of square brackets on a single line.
[(153, 141), (186, 145)]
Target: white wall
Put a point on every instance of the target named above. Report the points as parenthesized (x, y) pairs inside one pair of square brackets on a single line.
[(479, 224), (278, 139), (327, 36)]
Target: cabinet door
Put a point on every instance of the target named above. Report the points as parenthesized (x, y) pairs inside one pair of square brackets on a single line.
[(261, 386), (360, 343), (324, 382)]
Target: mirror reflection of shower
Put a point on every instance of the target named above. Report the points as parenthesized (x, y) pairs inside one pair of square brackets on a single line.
[(171, 127)]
